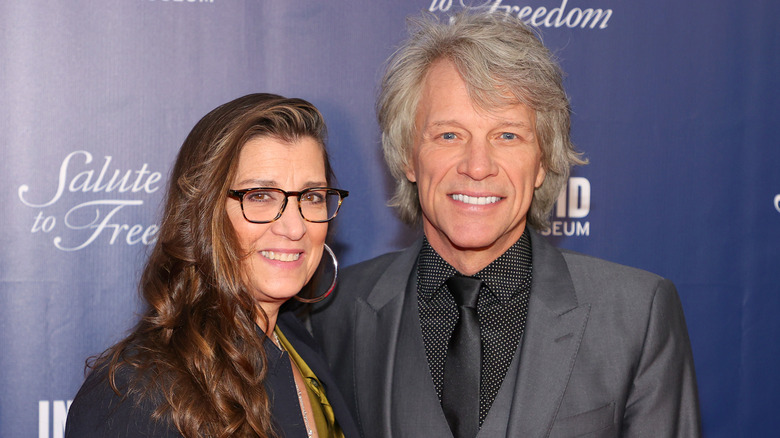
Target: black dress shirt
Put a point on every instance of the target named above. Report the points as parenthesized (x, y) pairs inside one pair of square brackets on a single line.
[(502, 308)]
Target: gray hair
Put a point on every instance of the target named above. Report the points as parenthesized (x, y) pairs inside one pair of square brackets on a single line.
[(496, 55)]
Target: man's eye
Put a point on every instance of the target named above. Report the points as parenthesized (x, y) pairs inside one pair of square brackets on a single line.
[(508, 136), (449, 136)]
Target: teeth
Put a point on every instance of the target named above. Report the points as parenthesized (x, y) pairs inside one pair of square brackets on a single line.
[(282, 257), (476, 200)]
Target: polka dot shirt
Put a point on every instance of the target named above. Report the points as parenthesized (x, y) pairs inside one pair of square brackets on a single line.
[(502, 308)]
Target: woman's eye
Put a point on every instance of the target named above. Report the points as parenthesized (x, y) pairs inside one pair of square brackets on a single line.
[(313, 197), (259, 197)]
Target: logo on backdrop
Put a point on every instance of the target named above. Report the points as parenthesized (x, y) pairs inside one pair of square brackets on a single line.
[(556, 16), (52, 418), (777, 202), (572, 206), (84, 223)]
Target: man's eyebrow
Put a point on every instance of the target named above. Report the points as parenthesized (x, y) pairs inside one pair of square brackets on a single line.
[(509, 124), (440, 123), (501, 124)]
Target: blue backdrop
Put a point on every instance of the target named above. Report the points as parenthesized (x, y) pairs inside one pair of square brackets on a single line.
[(675, 104)]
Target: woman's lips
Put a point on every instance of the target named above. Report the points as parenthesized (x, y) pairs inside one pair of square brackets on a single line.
[(281, 256)]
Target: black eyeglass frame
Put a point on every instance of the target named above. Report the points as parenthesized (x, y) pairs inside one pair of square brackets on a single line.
[(239, 194)]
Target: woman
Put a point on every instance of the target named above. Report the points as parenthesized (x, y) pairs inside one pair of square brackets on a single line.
[(243, 232)]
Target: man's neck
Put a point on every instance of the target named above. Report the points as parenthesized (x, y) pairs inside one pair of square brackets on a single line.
[(469, 261)]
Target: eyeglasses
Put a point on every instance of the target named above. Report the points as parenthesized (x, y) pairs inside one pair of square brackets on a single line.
[(263, 205)]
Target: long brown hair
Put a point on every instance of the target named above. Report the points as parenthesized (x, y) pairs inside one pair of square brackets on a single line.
[(196, 351)]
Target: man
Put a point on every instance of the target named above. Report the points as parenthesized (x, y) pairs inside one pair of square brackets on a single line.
[(475, 129)]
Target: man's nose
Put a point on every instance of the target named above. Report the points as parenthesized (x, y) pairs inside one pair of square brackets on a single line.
[(478, 161)]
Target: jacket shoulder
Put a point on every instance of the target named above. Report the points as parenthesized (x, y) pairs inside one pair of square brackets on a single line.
[(599, 267), (358, 281), (598, 281), (98, 411), (370, 269)]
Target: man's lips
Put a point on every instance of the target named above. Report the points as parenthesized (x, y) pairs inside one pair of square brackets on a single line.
[(475, 200)]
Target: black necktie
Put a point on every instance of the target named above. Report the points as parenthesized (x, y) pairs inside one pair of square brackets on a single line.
[(460, 391)]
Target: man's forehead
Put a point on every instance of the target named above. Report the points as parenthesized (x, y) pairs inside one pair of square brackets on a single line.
[(505, 114), (496, 97)]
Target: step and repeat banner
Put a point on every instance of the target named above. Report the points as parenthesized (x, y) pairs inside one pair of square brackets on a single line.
[(675, 104)]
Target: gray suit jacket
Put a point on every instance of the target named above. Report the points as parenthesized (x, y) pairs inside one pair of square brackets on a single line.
[(605, 351)]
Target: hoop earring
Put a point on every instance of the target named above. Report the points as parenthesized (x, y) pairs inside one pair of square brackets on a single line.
[(332, 284)]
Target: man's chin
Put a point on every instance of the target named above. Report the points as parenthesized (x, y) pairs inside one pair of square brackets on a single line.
[(472, 234), (475, 240), (481, 239)]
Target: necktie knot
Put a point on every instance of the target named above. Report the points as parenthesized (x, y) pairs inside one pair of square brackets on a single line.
[(465, 290)]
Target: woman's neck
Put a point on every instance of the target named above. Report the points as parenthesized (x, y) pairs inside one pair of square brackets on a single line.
[(267, 322)]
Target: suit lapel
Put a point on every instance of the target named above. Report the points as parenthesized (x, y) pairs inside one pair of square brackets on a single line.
[(416, 410), (556, 323), (378, 318)]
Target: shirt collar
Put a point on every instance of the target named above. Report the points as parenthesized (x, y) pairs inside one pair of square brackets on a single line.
[(505, 276)]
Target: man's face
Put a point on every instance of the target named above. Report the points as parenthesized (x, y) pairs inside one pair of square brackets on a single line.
[(475, 169)]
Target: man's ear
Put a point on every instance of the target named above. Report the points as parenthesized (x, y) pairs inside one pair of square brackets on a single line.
[(410, 174), (540, 175)]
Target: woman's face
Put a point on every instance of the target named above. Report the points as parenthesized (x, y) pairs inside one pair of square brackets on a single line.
[(283, 254)]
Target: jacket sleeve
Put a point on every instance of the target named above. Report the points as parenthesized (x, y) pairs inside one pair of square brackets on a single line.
[(663, 400)]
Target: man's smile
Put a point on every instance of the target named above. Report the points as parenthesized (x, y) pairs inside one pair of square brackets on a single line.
[(475, 200)]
